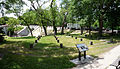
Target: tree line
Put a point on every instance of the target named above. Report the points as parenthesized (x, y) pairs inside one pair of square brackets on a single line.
[(87, 13)]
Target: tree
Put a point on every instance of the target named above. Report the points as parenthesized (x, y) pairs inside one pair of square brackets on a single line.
[(64, 10), (53, 13), (112, 16), (3, 20), (16, 7), (82, 23), (84, 13), (97, 7), (12, 22), (4, 6), (103, 7), (28, 18), (40, 12)]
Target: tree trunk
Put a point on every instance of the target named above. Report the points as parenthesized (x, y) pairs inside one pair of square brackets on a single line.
[(90, 30), (100, 25), (53, 16), (54, 28), (45, 30), (62, 31), (30, 30), (112, 29), (81, 30), (27, 25), (87, 30), (64, 20)]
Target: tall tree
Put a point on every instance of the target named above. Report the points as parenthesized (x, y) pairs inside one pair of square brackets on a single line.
[(112, 16), (12, 22), (40, 12), (28, 18), (97, 7), (64, 9), (16, 7), (53, 13)]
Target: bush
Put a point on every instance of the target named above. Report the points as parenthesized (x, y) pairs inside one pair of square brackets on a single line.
[(1, 38)]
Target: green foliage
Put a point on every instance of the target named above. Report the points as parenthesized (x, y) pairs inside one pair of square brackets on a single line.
[(3, 20), (12, 22), (29, 18), (18, 28), (112, 16), (95, 24), (82, 22)]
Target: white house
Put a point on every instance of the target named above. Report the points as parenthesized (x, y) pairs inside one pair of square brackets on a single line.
[(73, 26)]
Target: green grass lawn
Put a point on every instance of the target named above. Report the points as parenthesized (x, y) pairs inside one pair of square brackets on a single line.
[(47, 54)]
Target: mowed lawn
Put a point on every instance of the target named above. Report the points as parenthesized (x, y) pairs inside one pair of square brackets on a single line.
[(47, 54)]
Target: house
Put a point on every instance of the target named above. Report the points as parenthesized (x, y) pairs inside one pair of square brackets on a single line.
[(73, 26)]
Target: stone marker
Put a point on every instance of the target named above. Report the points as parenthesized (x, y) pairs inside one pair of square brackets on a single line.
[(61, 45), (81, 39), (58, 41), (56, 38), (85, 35), (72, 36), (36, 41), (31, 46), (38, 38), (91, 43)]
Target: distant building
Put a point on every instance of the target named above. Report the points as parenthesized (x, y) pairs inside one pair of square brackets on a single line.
[(73, 26), (4, 28)]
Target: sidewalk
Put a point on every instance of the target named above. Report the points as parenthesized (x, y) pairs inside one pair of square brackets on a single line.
[(103, 62)]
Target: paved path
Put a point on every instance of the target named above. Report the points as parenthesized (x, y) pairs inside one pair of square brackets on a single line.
[(103, 62)]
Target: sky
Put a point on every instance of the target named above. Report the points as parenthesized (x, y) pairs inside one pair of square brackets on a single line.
[(28, 6)]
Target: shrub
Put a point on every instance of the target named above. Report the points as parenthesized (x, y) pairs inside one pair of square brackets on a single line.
[(1, 35)]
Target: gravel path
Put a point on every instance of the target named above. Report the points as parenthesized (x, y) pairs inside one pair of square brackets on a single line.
[(103, 62)]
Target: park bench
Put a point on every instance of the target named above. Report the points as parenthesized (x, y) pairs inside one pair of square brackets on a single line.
[(81, 48)]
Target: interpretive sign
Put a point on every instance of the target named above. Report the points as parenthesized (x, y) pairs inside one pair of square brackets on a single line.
[(82, 47)]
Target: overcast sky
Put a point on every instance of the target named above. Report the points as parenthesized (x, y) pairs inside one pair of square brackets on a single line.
[(28, 6)]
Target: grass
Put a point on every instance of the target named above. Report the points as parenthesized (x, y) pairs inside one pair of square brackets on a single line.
[(47, 54)]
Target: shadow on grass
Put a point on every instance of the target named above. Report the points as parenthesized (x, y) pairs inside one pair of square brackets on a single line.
[(52, 50), (22, 37), (50, 56), (41, 49), (95, 36), (11, 61), (9, 42)]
